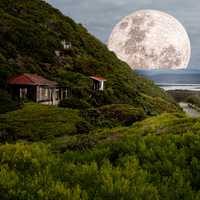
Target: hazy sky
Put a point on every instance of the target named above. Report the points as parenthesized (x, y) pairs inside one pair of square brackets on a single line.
[(99, 16)]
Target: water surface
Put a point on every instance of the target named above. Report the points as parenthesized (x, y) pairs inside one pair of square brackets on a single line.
[(174, 79)]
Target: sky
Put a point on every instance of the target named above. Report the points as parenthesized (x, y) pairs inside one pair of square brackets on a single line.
[(100, 16)]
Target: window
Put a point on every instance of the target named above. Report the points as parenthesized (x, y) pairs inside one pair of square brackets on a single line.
[(46, 92), (57, 94), (40, 94), (23, 93)]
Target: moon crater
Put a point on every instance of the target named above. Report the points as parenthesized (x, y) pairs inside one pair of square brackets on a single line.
[(151, 39)]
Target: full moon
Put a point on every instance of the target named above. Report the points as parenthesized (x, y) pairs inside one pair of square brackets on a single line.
[(150, 39)]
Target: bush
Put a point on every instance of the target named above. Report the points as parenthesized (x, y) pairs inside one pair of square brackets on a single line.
[(40, 122), (83, 127), (157, 158), (193, 99), (6, 103), (74, 103), (114, 115)]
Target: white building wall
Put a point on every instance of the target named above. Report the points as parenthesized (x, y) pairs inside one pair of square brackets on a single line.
[(101, 85)]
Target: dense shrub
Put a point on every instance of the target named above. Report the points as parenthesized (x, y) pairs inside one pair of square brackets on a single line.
[(136, 162), (83, 127), (40, 122), (193, 99), (7, 103), (114, 115), (74, 103)]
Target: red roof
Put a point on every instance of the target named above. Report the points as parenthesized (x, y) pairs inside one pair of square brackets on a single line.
[(98, 78), (30, 79)]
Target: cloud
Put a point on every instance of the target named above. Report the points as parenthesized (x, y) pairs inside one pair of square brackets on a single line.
[(99, 16)]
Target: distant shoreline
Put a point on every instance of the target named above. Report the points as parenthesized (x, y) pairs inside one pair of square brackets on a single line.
[(181, 87), (174, 79)]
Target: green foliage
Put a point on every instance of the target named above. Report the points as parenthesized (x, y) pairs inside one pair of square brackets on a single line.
[(193, 99), (74, 103), (50, 179), (114, 115), (6, 103), (157, 158), (134, 167), (26, 173), (38, 122)]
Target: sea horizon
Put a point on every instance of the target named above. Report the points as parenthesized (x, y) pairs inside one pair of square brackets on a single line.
[(183, 79)]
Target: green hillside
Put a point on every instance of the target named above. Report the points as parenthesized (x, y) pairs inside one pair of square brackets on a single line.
[(37, 122), (30, 33), (157, 158)]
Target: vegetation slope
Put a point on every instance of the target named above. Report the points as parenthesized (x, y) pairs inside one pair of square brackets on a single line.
[(30, 33), (157, 158)]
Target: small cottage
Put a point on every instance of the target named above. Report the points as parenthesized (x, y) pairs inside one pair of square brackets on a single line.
[(36, 88), (66, 45), (98, 83)]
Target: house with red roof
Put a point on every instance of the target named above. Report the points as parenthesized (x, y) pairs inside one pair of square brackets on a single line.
[(98, 83), (36, 88)]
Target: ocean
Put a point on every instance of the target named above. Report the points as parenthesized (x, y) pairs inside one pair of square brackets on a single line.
[(188, 79)]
